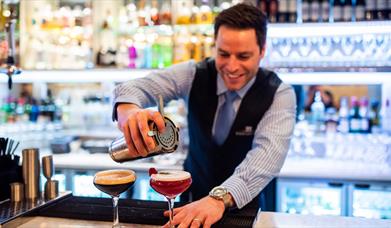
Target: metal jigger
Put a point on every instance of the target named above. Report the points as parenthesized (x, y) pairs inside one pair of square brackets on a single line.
[(47, 166), (51, 186)]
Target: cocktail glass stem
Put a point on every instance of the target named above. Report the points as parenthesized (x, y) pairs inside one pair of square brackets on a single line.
[(171, 210), (115, 211)]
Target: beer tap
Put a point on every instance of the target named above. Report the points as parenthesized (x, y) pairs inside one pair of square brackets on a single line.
[(10, 68)]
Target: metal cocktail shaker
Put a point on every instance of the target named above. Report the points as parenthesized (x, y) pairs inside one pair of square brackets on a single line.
[(31, 172), (166, 142)]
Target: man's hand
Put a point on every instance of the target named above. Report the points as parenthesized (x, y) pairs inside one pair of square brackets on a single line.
[(202, 213), (133, 122)]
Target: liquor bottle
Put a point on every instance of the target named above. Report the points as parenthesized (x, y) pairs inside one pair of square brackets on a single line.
[(381, 9), (315, 12), (263, 6), (354, 116), (141, 13), (347, 10), (292, 10), (389, 9), (132, 56), (184, 13), (386, 116), (359, 10), (166, 51), (305, 11), (205, 13), (154, 13), (283, 14), (364, 116), (370, 10), (132, 15), (317, 112), (325, 10), (165, 13), (343, 120), (107, 52), (273, 11), (331, 120), (374, 114), (337, 11)]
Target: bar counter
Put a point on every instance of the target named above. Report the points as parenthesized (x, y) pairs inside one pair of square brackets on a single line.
[(88, 212)]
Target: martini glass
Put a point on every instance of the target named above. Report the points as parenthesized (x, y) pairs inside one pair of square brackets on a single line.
[(114, 182), (170, 183)]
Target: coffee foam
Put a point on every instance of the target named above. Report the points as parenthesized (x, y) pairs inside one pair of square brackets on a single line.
[(171, 175), (110, 177)]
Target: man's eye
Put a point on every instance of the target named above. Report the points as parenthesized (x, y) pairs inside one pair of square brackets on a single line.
[(223, 54), (243, 57)]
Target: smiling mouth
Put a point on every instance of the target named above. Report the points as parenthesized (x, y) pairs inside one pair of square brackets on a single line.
[(233, 76)]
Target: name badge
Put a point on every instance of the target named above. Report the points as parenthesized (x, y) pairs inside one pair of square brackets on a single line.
[(247, 131)]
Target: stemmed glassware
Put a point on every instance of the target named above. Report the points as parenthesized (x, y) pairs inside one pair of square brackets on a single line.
[(113, 183), (170, 183)]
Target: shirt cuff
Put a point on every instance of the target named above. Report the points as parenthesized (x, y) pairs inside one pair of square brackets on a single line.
[(239, 191), (122, 100)]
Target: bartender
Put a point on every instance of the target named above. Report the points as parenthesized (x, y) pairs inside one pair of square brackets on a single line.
[(240, 117)]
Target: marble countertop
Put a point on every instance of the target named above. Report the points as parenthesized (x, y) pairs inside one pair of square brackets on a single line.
[(264, 219), (279, 220)]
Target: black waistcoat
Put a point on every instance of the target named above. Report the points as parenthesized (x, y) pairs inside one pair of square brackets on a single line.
[(209, 163)]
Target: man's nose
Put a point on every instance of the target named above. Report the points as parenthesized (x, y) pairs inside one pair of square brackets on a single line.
[(232, 65)]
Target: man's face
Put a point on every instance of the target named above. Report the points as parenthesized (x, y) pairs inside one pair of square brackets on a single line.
[(238, 56)]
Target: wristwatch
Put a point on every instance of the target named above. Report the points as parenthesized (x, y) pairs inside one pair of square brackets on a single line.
[(221, 193)]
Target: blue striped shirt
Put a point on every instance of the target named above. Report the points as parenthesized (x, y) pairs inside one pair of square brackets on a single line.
[(271, 138)]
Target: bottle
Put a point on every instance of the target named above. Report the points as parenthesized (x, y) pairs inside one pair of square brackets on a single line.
[(374, 114), (337, 11), (273, 11), (315, 12), (359, 10), (343, 120), (381, 9), (386, 116), (317, 112), (325, 10), (165, 13), (107, 52), (354, 116), (305, 11), (263, 6), (347, 10), (154, 13), (370, 10), (283, 14), (364, 116), (205, 13), (292, 10)]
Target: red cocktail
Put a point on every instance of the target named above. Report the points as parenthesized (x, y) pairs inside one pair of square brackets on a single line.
[(170, 183)]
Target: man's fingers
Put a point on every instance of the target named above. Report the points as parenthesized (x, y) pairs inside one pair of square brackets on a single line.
[(176, 211), (144, 129), (137, 138), (158, 119), (208, 222), (196, 223), (129, 142)]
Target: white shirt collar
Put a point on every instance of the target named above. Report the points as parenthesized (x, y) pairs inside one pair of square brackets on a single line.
[(221, 88)]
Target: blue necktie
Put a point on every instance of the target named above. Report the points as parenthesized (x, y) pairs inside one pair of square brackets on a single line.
[(225, 117)]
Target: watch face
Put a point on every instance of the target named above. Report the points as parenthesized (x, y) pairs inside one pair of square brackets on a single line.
[(219, 191)]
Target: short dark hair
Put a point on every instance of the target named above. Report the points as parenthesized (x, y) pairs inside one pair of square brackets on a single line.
[(243, 16)]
